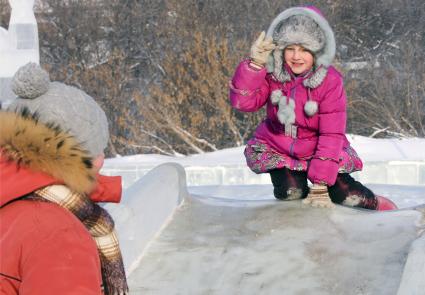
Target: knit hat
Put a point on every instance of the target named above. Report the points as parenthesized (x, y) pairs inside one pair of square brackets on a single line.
[(56, 103), (305, 26)]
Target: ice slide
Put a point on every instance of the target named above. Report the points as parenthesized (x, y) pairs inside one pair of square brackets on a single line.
[(176, 243)]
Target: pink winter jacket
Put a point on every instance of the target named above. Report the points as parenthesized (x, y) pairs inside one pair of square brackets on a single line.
[(320, 138)]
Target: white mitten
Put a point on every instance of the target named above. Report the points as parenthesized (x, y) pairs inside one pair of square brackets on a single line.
[(261, 49)]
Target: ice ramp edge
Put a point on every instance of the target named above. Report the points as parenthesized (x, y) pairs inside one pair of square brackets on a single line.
[(147, 206), (413, 278)]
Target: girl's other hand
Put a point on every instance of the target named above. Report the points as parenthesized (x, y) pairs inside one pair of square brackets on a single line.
[(319, 197)]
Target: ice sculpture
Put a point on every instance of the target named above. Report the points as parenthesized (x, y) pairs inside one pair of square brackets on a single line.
[(18, 44)]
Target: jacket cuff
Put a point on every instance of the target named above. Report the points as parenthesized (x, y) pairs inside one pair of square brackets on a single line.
[(108, 189), (323, 171), (247, 77)]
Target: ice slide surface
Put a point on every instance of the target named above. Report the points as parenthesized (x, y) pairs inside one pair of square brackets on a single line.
[(176, 243)]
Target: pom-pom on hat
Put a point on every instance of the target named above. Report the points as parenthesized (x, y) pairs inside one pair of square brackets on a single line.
[(30, 81), (55, 103)]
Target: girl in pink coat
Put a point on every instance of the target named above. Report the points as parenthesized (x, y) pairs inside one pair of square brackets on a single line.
[(303, 134)]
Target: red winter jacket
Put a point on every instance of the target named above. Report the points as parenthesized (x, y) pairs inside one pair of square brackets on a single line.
[(44, 248)]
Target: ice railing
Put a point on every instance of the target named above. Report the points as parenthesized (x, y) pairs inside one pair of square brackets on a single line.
[(386, 161), (392, 172)]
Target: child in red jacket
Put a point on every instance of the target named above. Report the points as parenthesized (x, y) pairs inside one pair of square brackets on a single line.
[(53, 238)]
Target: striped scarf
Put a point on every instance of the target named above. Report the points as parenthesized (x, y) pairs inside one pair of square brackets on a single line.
[(100, 226)]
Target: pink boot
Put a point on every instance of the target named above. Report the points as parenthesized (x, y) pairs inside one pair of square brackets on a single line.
[(385, 204)]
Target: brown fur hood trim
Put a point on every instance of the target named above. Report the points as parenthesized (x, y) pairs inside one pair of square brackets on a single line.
[(46, 148)]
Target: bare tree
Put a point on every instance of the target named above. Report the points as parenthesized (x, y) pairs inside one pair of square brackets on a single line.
[(164, 87), (390, 101), (190, 109)]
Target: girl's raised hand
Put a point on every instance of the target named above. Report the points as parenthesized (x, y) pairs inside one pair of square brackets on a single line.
[(261, 49)]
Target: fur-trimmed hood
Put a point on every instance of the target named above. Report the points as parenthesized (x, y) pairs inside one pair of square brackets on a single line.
[(323, 58), (47, 149)]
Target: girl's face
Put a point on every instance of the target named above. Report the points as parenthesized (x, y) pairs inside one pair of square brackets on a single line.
[(298, 59)]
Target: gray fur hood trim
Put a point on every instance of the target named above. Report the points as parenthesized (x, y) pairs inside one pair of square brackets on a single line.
[(323, 58)]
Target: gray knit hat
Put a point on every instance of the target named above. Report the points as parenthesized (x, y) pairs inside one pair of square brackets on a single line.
[(70, 108), (304, 26)]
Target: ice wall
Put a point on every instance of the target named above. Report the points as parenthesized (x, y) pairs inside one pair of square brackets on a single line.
[(386, 161), (392, 172)]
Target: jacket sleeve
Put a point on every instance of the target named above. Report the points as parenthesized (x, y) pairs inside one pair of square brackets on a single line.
[(249, 89), (332, 122), (65, 263), (108, 189)]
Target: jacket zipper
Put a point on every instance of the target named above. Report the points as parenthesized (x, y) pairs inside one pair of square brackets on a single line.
[(291, 149)]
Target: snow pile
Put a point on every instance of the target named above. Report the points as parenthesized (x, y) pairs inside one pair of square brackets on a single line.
[(388, 149)]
